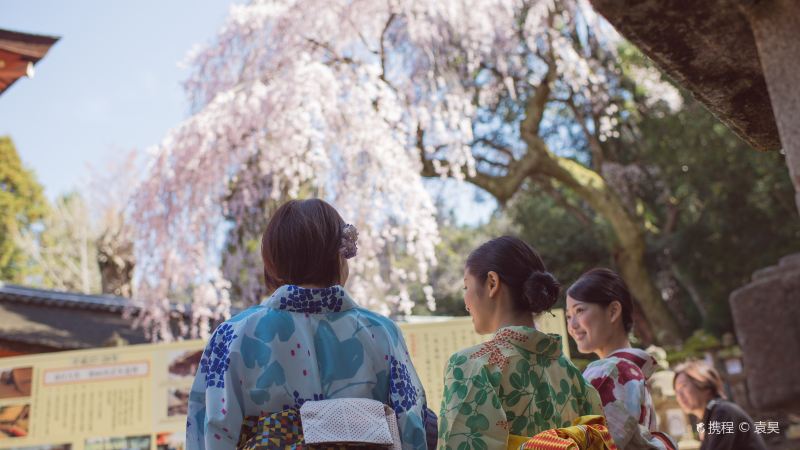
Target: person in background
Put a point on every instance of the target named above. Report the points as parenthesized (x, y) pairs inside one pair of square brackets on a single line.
[(599, 318), (698, 387), (308, 341), (518, 383)]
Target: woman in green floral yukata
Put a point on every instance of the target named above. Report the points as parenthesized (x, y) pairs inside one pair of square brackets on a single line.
[(517, 383)]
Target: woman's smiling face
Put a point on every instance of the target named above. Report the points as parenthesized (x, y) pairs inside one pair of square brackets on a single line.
[(690, 397), (589, 325)]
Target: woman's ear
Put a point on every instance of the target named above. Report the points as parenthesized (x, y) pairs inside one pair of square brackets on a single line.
[(492, 284), (344, 270), (614, 311)]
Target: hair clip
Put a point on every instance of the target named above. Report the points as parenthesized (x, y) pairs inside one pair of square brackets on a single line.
[(349, 248)]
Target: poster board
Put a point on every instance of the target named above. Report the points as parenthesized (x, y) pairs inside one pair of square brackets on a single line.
[(135, 397)]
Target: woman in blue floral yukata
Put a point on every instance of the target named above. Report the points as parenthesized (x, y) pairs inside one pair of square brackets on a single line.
[(308, 341)]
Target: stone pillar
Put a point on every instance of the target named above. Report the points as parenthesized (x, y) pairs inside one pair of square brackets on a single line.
[(776, 27), (766, 314)]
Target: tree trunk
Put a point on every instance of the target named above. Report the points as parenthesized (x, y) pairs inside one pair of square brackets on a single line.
[(629, 245), (629, 234), (116, 261), (694, 294)]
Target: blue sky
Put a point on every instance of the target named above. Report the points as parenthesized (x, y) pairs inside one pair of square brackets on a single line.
[(113, 83)]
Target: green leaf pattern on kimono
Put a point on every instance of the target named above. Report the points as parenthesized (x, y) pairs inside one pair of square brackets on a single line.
[(518, 382)]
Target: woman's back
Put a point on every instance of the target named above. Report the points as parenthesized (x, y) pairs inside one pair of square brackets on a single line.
[(519, 382), (299, 345)]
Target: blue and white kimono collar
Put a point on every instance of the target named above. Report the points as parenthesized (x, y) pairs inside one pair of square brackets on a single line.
[(310, 301)]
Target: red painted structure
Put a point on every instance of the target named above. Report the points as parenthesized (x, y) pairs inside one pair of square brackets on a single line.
[(18, 53)]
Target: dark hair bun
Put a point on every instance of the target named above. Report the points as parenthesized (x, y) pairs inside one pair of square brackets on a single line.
[(532, 287), (540, 291)]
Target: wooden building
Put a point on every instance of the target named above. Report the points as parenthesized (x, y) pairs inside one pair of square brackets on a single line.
[(18, 54)]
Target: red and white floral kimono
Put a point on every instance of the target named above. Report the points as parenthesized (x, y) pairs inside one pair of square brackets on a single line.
[(621, 380)]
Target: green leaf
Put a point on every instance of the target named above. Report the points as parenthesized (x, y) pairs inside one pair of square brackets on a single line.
[(542, 393), (587, 409), (513, 399), (548, 411), (496, 402), (525, 354), (478, 381), (526, 379), (561, 398), (534, 378), (520, 424), (523, 366), (463, 446), (461, 359), (516, 381), (465, 409), (573, 372), (478, 422), (480, 397), (458, 374), (542, 345), (479, 444), (495, 378), (564, 386), (461, 391)]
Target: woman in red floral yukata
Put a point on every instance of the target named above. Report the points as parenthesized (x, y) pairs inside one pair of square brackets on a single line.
[(599, 318)]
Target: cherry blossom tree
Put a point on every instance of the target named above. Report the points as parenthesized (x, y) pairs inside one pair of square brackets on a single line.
[(353, 100)]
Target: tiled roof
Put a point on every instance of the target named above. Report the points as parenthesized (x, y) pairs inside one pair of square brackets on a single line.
[(66, 320), (22, 294)]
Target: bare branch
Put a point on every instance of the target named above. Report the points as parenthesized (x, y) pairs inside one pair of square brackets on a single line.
[(501, 148), (335, 57), (534, 110), (591, 138), (492, 163), (389, 21), (547, 186), (361, 36), (502, 188)]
